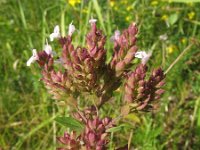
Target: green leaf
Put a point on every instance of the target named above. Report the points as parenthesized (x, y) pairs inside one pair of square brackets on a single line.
[(132, 117), (99, 13), (70, 123), (198, 119), (118, 128), (173, 18)]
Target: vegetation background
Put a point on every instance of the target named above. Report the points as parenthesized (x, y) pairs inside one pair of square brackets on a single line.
[(27, 111)]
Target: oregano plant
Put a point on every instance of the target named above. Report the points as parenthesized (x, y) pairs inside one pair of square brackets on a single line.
[(83, 71)]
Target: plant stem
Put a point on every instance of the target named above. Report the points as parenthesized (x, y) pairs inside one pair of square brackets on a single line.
[(54, 127), (178, 58), (129, 140)]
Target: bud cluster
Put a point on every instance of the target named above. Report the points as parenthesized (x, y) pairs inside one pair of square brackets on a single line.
[(70, 141), (140, 92), (57, 83), (124, 49), (93, 136), (85, 68)]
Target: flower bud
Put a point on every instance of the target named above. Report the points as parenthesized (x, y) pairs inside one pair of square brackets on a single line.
[(120, 66), (91, 138)]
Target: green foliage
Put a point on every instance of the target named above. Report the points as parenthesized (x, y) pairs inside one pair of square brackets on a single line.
[(70, 123), (118, 128), (173, 18)]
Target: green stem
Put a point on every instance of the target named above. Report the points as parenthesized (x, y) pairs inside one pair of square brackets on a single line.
[(178, 58)]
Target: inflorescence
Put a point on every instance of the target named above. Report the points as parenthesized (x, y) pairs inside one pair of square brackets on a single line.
[(83, 71)]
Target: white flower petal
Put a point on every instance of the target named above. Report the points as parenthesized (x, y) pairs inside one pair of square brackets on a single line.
[(117, 33), (33, 58), (116, 36), (163, 37), (71, 29), (30, 61), (92, 21), (48, 49), (143, 56), (55, 34), (34, 51), (52, 36), (140, 54), (146, 58), (56, 29)]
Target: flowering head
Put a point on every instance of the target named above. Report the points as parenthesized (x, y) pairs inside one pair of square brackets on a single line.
[(85, 68), (93, 135), (71, 141), (83, 72), (142, 92)]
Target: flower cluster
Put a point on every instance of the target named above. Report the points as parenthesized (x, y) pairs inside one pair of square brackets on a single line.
[(93, 136), (142, 93), (83, 71), (124, 49), (71, 141)]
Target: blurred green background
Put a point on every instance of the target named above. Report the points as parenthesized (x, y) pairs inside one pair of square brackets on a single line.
[(26, 109)]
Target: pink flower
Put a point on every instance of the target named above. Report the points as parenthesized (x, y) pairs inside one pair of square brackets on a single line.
[(116, 36)]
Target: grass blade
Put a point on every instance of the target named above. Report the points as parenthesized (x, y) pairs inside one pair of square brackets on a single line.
[(99, 14)]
